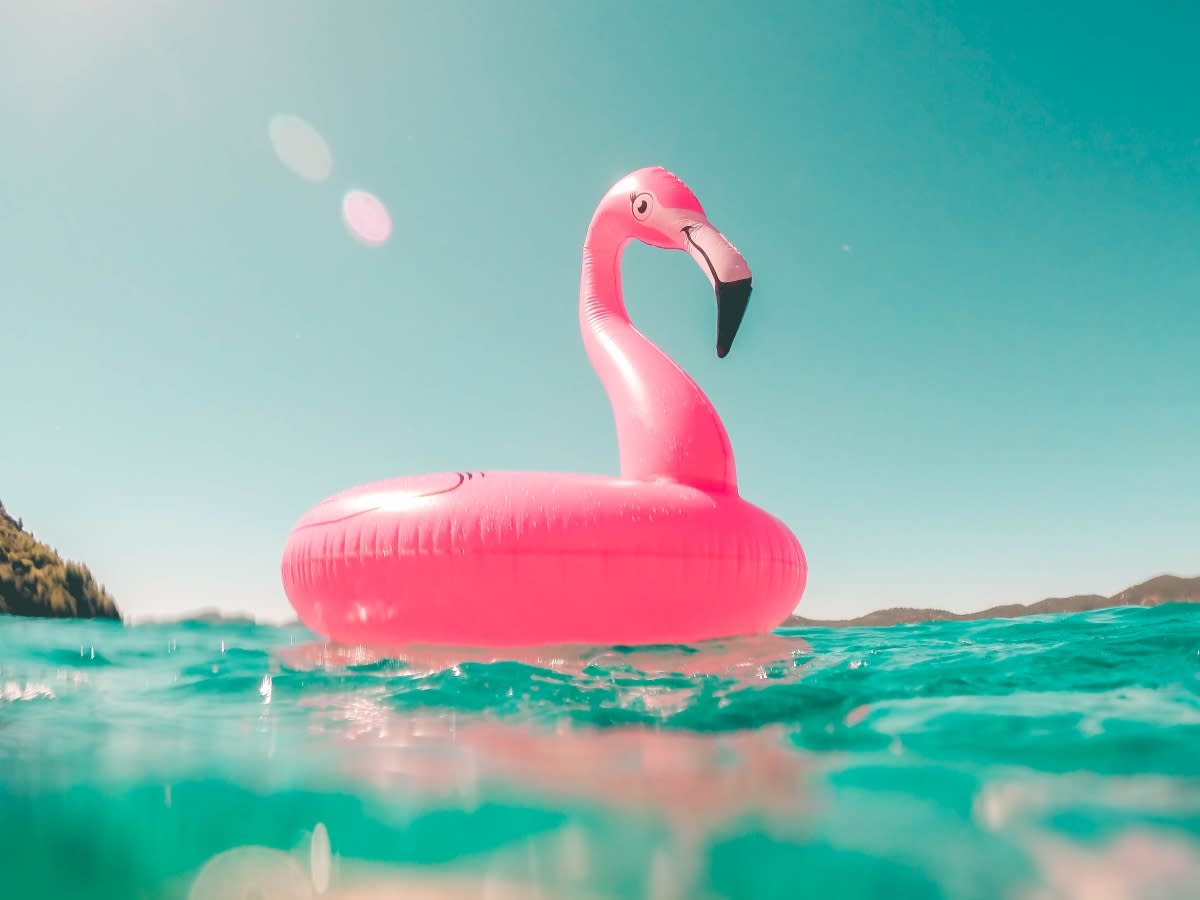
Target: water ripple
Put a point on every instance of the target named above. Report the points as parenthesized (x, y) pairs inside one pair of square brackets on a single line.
[(1026, 758)]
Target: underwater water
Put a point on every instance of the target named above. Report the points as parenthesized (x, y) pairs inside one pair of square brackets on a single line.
[(1047, 757)]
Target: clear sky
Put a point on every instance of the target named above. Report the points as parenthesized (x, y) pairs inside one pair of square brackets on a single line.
[(968, 374)]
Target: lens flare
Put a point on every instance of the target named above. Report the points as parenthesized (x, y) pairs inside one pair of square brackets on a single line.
[(367, 217), (300, 147)]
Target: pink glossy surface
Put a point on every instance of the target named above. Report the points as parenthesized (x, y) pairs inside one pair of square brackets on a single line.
[(537, 557), (668, 552)]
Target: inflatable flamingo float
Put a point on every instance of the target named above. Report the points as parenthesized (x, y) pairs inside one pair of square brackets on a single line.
[(668, 552)]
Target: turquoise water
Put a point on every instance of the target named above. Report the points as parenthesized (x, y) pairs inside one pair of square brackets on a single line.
[(1034, 758)]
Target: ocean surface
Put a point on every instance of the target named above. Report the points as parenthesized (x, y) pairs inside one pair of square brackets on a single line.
[(1048, 757)]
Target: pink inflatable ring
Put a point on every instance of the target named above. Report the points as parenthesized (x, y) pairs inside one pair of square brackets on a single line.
[(666, 553)]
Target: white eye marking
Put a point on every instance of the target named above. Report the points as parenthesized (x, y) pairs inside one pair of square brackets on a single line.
[(643, 205)]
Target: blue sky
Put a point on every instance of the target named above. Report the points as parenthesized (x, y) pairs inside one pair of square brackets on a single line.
[(968, 374)]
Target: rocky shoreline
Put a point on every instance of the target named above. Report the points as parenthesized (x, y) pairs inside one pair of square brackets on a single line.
[(36, 581)]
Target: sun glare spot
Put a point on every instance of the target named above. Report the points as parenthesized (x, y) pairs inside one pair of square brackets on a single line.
[(367, 217), (300, 147)]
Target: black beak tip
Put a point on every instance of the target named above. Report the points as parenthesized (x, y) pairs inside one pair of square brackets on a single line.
[(732, 299)]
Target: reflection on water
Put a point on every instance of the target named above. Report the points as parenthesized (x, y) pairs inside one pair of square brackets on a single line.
[(690, 785), (1138, 864), (537, 869), (1027, 760), (742, 659), (694, 782)]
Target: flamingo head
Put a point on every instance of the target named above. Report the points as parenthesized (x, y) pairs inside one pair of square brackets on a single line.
[(657, 208)]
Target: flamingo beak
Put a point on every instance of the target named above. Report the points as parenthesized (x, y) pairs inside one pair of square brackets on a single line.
[(732, 298), (729, 274)]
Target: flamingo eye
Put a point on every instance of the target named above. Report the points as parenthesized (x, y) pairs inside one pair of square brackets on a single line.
[(643, 204)]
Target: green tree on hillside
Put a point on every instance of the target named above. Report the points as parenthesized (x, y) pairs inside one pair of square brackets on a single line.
[(36, 581)]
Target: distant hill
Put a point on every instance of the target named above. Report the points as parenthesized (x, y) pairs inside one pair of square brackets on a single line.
[(1163, 589), (208, 615), (36, 581)]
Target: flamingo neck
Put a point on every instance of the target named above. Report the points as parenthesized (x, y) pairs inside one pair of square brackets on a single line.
[(666, 427)]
